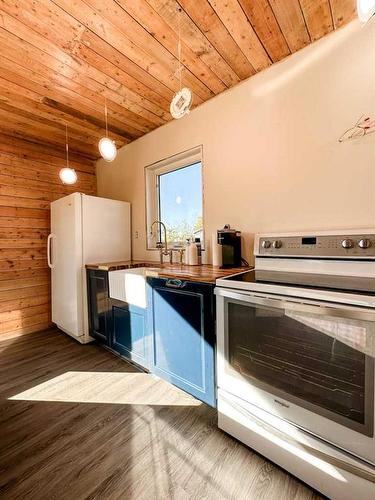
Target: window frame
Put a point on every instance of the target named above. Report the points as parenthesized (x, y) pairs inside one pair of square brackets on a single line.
[(152, 173)]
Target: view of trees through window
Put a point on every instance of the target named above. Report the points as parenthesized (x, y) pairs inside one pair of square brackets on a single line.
[(180, 203)]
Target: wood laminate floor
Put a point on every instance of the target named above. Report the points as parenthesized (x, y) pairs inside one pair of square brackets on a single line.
[(78, 423)]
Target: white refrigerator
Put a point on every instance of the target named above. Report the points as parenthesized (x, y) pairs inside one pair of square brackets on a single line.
[(84, 230)]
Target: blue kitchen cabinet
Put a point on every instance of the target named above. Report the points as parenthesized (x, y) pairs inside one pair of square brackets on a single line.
[(173, 338), (128, 332), (182, 325), (98, 305), (120, 326)]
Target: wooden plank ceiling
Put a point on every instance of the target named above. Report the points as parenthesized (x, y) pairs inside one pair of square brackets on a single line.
[(60, 59)]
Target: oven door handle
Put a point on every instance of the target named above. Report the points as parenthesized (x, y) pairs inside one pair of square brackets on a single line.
[(302, 305)]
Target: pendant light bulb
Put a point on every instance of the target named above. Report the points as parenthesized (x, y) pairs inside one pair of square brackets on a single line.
[(107, 147), (67, 175), (181, 102), (365, 10)]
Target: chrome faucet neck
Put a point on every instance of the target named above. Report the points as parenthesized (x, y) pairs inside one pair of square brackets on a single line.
[(163, 248)]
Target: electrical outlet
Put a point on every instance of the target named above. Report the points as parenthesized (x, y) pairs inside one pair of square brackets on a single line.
[(136, 235)]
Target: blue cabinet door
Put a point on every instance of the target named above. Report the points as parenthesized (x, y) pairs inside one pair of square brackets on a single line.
[(116, 324), (98, 305), (182, 324), (129, 335)]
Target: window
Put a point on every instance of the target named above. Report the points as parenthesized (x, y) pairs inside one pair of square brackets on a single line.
[(180, 202), (174, 195)]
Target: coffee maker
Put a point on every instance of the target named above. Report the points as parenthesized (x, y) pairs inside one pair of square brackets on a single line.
[(230, 241)]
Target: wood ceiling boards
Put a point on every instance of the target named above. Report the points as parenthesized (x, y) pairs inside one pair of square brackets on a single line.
[(59, 59)]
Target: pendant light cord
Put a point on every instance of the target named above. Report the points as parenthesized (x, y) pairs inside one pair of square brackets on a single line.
[(106, 116), (179, 47), (66, 145)]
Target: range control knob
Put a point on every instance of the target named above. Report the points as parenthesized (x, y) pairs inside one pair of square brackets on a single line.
[(277, 244), (266, 244), (347, 243), (364, 243)]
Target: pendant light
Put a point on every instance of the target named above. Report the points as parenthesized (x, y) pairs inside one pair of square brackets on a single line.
[(182, 100), (365, 9), (67, 175), (107, 147)]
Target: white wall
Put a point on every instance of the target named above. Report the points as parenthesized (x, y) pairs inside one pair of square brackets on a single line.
[(272, 160)]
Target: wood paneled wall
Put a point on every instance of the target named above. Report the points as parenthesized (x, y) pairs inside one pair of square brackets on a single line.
[(28, 183)]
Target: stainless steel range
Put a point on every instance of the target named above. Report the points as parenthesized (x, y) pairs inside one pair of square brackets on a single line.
[(296, 352)]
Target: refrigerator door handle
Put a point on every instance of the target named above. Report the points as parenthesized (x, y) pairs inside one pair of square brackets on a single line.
[(49, 241)]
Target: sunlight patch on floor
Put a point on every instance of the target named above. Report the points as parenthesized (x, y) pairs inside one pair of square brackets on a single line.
[(110, 388)]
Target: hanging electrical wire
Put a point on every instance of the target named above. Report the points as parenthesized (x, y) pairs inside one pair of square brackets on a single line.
[(67, 175), (183, 99)]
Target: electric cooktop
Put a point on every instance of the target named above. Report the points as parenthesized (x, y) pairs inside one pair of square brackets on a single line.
[(306, 280)]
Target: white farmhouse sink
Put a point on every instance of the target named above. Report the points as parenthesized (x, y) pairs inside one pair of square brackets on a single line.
[(129, 285)]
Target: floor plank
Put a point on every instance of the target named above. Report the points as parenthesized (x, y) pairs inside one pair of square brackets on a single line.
[(66, 434)]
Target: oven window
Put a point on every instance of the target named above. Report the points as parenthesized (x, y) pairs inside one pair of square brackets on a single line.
[(319, 362)]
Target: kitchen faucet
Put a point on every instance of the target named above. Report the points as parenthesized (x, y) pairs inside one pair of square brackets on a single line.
[(163, 248)]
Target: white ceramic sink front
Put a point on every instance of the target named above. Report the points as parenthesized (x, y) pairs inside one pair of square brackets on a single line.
[(129, 285)]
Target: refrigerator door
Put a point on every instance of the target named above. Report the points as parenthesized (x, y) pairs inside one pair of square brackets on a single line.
[(66, 264), (106, 235)]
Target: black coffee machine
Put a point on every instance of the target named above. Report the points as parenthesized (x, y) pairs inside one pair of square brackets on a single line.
[(230, 241)]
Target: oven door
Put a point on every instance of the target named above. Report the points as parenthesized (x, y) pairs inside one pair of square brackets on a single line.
[(309, 362)]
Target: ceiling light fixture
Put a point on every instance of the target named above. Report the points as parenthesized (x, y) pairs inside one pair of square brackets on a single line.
[(67, 175), (365, 10), (183, 99), (107, 147)]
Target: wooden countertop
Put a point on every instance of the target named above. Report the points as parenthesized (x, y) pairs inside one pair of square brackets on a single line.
[(205, 273)]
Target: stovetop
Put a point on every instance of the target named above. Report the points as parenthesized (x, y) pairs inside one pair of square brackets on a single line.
[(305, 280)]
